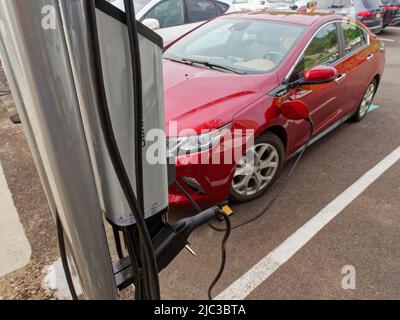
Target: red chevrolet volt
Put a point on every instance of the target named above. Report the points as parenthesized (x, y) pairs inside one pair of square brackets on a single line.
[(233, 73)]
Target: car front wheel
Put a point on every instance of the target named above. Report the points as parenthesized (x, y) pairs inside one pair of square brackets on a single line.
[(258, 169)]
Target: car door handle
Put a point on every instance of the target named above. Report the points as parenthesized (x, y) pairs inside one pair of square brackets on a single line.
[(370, 56), (341, 77)]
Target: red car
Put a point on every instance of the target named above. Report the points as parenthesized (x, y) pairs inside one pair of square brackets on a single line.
[(235, 71)]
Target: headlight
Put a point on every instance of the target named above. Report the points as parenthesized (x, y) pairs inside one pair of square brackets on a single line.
[(193, 144)]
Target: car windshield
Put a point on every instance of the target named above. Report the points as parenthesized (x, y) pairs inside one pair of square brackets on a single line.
[(239, 44)]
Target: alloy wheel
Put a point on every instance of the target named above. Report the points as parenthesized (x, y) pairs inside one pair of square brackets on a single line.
[(367, 100), (256, 169)]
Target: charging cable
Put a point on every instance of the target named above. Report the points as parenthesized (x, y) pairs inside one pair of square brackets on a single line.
[(265, 209), (226, 212), (64, 258), (151, 286)]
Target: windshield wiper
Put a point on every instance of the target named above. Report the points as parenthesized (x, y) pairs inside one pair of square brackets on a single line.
[(179, 61), (212, 65)]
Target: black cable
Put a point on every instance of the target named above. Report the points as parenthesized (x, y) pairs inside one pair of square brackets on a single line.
[(138, 113), (64, 258), (223, 256), (135, 264), (138, 90), (224, 240), (117, 240), (281, 188), (228, 227), (188, 196), (148, 257)]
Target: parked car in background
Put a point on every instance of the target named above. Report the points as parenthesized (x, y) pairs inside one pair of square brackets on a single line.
[(392, 15), (282, 5), (369, 12), (251, 5), (235, 72), (173, 18)]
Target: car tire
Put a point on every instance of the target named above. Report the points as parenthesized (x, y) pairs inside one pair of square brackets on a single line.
[(269, 157), (366, 101)]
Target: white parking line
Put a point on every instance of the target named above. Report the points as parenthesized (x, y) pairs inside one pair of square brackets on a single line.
[(388, 40), (242, 287), (393, 28), (15, 251)]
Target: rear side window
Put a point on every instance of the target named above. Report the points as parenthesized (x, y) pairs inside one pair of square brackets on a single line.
[(201, 10), (169, 13), (354, 37), (221, 7)]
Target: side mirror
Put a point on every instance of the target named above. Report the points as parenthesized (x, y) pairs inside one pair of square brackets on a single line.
[(295, 110), (319, 75), (151, 23)]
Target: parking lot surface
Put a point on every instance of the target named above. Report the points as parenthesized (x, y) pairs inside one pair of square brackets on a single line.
[(360, 241)]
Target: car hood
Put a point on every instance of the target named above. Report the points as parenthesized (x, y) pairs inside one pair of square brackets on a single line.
[(198, 98)]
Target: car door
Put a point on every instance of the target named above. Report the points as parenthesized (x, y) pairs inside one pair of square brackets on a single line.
[(325, 101), (356, 63)]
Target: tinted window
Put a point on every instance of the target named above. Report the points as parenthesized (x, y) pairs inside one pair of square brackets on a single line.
[(354, 37), (221, 7), (201, 10), (169, 13)]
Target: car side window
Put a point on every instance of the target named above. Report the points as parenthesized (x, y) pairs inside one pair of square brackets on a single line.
[(221, 7), (354, 37), (322, 50), (201, 10), (169, 13)]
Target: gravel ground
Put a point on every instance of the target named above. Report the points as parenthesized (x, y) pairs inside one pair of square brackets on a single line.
[(31, 203)]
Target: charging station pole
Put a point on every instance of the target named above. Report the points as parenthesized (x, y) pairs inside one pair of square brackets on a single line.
[(45, 48)]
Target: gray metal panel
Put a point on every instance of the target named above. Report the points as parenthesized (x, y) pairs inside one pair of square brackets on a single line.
[(38, 59), (115, 54)]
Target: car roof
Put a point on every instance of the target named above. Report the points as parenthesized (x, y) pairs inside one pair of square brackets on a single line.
[(305, 19)]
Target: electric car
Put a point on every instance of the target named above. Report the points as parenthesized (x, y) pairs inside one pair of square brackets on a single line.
[(232, 74), (173, 18)]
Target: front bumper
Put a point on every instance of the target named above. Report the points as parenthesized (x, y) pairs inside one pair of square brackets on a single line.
[(212, 170)]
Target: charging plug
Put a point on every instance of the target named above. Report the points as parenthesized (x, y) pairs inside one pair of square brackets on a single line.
[(171, 240)]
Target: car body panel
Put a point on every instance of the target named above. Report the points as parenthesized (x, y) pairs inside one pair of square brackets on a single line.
[(201, 91)]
